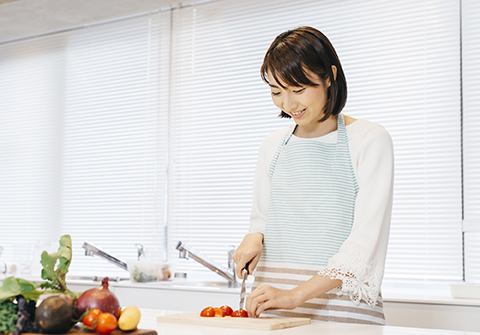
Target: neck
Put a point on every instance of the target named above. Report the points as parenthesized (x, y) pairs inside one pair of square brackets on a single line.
[(317, 130)]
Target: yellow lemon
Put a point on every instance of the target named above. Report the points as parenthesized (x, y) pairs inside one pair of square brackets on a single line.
[(129, 318)]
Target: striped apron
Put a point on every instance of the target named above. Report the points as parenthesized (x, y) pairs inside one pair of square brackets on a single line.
[(311, 211)]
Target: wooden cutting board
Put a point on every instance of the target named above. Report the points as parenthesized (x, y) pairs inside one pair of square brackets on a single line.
[(74, 331), (261, 323)]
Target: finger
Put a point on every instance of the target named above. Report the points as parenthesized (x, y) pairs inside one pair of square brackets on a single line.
[(253, 264), (264, 306), (252, 301), (241, 265), (238, 269), (250, 297), (266, 301), (252, 310), (257, 299)]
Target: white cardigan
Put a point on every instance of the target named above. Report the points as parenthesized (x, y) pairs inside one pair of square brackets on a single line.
[(361, 259)]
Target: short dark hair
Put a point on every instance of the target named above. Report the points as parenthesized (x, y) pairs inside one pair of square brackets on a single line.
[(303, 49)]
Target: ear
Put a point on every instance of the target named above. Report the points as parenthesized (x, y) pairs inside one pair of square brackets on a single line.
[(334, 70)]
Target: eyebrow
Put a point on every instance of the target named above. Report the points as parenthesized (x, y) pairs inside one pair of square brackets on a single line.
[(271, 85)]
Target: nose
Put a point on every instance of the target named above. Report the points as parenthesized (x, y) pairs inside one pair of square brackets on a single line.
[(289, 103)]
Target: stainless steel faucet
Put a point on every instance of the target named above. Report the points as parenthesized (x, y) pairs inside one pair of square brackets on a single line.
[(90, 250), (187, 252), (140, 250)]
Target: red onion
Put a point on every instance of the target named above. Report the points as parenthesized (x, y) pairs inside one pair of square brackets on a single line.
[(99, 297)]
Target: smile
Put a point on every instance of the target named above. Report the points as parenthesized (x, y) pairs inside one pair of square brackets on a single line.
[(298, 113)]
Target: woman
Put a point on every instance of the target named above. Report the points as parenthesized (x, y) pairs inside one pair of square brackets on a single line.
[(322, 194)]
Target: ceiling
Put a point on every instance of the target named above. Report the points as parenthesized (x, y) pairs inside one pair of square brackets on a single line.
[(20, 19)]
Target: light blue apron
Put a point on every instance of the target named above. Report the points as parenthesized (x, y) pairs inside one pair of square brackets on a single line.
[(311, 212), (312, 200)]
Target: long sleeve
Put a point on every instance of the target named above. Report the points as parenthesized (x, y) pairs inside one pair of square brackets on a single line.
[(361, 258)]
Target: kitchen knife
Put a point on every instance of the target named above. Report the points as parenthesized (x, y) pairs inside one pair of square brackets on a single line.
[(242, 290)]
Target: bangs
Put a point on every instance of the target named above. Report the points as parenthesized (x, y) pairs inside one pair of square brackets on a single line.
[(282, 62)]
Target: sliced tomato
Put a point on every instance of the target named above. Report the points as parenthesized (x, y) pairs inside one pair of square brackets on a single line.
[(242, 314), (219, 312), (208, 312), (227, 310)]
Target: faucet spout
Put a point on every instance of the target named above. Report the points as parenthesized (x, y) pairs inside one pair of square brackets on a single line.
[(187, 252), (90, 250)]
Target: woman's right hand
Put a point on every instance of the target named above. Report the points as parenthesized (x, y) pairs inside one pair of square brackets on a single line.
[(249, 250)]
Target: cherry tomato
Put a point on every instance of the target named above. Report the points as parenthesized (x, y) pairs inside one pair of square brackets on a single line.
[(227, 310), (242, 314), (90, 319), (106, 323), (208, 312), (219, 312)]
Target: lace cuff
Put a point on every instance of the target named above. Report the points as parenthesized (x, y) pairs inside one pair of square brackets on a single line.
[(360, 280)]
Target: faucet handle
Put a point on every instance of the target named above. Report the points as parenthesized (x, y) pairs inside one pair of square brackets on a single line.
[(231, 263), (231, 250), (140, 250)]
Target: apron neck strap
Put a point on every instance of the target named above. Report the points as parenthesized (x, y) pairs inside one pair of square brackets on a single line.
[(341, 128)]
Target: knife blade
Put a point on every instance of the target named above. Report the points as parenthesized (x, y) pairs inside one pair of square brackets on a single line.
[(243, 289)]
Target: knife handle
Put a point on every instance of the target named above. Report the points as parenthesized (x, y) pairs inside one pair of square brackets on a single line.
[(246, 267)]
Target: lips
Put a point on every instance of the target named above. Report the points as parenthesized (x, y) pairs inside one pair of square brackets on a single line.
[(298, 114)]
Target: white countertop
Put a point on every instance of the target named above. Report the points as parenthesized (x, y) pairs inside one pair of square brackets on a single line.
[(149, 321)]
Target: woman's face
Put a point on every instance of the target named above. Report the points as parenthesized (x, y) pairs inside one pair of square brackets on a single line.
[(305, 104)]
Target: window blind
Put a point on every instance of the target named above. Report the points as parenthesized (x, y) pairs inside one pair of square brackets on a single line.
[(471, 124), (401, 60), (218, 119), (410, 82), (86, 123), (30, 71), (116, 131), (114, 151), (28, 133)]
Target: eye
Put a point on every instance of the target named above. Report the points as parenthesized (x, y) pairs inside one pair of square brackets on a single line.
[(299, 91), (275, 93)]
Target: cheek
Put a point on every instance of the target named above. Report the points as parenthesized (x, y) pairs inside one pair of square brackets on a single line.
[(321, 96), (277, 101), (317, 100)]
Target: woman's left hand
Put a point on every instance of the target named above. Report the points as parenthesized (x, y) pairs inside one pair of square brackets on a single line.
[(268, 297)]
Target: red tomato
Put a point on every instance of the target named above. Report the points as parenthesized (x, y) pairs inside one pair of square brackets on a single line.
[(90, 319), (219, 312), (242, 314), (106, 323), (208, 312), (227, 310)]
